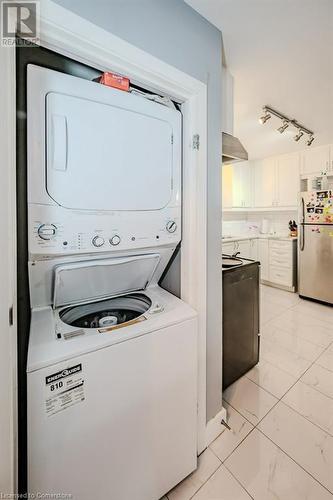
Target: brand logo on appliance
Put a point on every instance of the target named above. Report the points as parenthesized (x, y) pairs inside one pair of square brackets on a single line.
[(63, 373)]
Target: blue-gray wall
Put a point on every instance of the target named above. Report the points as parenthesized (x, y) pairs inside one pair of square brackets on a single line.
[(175, 33)]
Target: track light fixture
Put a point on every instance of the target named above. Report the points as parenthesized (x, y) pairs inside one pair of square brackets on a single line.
[(263, 119), (299, 135), (286, 122), (284, 126)]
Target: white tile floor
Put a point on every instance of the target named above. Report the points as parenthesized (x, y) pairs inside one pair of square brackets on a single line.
[(280, 446)]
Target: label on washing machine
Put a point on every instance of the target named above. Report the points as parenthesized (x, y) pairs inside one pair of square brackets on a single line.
[(64, 389)]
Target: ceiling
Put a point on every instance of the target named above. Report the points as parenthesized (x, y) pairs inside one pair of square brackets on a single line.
[(280, 53)]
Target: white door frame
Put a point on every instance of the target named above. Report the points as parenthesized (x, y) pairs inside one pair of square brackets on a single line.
[(8, 344)]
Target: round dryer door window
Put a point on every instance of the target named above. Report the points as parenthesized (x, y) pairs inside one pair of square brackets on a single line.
[(106, 313)]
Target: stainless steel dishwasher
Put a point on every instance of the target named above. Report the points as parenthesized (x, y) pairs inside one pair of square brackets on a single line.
[(240, 282)]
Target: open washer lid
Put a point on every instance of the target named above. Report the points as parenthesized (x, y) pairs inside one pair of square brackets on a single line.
[(79, 282)]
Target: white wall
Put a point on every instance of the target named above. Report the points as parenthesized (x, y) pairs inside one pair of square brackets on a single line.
[(248, 221)]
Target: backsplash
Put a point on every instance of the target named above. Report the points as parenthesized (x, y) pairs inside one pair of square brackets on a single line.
[(250, 223)]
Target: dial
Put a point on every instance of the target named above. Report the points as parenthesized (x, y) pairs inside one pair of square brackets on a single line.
[(98, 241), (115, 240), (171, 226), (47, 231)]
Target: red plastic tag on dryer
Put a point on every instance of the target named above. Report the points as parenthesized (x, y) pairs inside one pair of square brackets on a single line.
[(115, 81)]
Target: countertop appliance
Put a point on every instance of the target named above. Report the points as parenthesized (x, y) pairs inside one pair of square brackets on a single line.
[(240, 319), (316, 245), (112, 359)]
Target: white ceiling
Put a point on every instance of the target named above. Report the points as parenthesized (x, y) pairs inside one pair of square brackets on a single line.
[(280, 53)]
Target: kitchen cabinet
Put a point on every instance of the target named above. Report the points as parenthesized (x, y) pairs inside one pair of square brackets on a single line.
[(282, 263), (276, 181), (242, 185), (227, 190), (244, 249), (228, 248), (237, 185), (318, 159), (263, 257), (287, 180), (264, 183), (254, 249), (241, 246)]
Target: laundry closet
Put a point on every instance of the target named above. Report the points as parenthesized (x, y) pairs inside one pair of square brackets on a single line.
[(112, 356)]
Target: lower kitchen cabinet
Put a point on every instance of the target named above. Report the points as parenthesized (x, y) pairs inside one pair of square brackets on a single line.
[(228, 248), (244, 249), (278, 259), (254, 249), (263, 255), (241, 246)]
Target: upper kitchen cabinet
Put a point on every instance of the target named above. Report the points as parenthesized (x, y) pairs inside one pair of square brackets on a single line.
[(242, 184), (317, 160), (237, 185), (276, 182), (264, 183), (227, 189), (287, 180)]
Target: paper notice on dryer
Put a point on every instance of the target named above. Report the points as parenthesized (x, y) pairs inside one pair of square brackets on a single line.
[(64, 389)]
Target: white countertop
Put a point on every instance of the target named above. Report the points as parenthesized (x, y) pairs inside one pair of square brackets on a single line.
[(233, 238)]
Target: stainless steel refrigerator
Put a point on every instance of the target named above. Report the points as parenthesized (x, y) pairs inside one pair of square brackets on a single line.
[(315, 278)]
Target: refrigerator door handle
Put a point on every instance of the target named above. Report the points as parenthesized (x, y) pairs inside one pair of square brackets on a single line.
[(303, 211), (302, 238)]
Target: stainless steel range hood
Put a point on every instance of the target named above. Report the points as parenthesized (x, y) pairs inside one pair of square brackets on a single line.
[(232, 149)]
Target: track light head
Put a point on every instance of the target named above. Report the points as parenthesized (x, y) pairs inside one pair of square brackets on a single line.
[(284, 126), (310, 140), (263, 119), (299, 135)]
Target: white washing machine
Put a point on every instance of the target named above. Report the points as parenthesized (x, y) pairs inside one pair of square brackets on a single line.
[(112, 360)]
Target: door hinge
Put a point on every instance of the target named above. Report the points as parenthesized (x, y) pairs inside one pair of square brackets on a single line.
[(171, 138), (11, 316), (196, 142)]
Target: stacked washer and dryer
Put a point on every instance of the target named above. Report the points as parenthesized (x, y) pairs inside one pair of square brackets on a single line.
[(112, 360)]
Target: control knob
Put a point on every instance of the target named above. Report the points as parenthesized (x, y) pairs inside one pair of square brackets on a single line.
[(171, 226), (47, 231), (115, 240), (98, 241)]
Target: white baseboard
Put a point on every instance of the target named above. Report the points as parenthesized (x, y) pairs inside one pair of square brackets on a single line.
[(214, 426)]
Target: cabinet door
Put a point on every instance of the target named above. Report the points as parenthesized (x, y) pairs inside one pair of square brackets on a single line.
[(244, 249), (254, 249), (227, 186), (331, 160), (287, 180), (264, 183), (315, 160), (237, 185), (228, 248), (263, 257), (241, 185), (247, 172)]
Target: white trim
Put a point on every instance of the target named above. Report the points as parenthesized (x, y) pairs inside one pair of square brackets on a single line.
[(214, 427), (73, 36), (8, 422)]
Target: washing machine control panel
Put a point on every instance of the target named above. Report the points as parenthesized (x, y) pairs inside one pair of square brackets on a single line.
[(51, 233), (47, 231)]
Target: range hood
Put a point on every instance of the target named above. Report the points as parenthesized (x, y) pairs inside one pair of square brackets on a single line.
[(232, 149)]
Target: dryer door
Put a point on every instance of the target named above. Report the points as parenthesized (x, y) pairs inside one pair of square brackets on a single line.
[(109, 156)]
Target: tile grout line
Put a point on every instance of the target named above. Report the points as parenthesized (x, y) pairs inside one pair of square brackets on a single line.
[(298, 379), (293, 460), (279, 399)]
